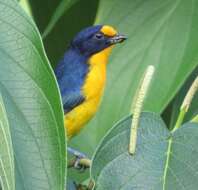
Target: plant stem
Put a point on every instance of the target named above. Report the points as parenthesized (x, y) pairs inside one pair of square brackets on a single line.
[(180, 119), (186, 103), (138, 104)]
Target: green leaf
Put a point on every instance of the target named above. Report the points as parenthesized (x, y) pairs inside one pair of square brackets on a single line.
[(63, 6), (79, 16), (161, 161), (160, 33), (26, 6), (195, 119), (7, 179), (32, 102)]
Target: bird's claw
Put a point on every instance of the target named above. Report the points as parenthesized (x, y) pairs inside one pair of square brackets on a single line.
[(80, 162), (79, 166)]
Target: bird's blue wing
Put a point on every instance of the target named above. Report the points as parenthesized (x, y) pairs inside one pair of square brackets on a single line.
[(71, 100), (71, 73), (70, 88)]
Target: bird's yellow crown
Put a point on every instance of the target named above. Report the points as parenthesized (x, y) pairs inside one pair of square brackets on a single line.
[(108, 30)]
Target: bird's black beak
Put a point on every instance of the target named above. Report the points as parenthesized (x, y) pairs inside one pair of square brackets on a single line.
[(119, 38)]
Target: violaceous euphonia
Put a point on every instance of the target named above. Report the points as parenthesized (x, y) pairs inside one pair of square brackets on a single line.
[(81, 74)]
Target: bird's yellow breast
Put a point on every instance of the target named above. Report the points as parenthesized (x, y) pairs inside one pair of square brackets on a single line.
[(92, 90)]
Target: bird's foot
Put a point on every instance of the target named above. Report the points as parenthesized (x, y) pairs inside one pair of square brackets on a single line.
[(80, 162)]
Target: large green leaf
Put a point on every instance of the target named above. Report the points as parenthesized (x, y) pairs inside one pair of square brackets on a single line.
[(75, 18), (161, 33), (162, 161), (32, 102), (7, 179)]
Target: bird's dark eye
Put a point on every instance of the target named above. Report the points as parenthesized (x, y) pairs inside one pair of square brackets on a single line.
[(98, 36)]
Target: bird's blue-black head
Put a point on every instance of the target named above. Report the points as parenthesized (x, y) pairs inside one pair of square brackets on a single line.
[(96, 38)]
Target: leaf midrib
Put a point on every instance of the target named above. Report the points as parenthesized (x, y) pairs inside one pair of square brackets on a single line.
[(6, 135), (8, 153), (167, 163)]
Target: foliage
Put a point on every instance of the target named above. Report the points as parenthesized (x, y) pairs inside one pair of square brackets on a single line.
[(32, 102), (160, 33), (162, 159)]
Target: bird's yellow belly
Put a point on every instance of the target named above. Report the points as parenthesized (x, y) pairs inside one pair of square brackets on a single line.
[(92, 91)]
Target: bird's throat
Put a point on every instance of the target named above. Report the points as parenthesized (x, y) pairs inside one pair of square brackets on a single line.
[(101, 57), (96, 76)]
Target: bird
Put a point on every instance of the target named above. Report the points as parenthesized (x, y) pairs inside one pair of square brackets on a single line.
[(81, 74)]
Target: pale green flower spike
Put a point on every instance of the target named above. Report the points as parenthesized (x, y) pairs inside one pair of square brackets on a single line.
[(137, 106)]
